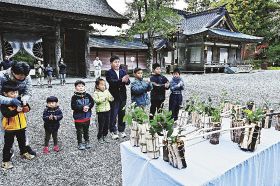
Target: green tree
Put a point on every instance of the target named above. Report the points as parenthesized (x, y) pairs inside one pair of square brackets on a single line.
[(152, 19), (198, 5), (252, 17)]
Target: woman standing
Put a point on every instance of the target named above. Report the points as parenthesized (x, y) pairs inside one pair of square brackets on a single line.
[(62, 71)]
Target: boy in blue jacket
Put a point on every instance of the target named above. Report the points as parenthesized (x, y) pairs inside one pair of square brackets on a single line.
[(81, 104), (140, 89), (175, 99)]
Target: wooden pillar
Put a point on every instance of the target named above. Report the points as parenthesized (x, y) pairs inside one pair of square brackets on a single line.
[(87, 54), (137, 59), (1, 49), (124, 57), (57, 45)]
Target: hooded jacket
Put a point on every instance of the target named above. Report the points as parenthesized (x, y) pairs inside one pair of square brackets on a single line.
[(102, 100), (52, 125), (12, 119), (139, 95), (78, 101)]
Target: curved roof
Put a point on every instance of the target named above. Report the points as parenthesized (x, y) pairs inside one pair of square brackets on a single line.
[(96, 8), (113, 42), (234, 35), (206, 21)]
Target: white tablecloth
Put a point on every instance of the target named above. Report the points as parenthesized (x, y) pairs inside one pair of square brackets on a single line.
[(223, 164)]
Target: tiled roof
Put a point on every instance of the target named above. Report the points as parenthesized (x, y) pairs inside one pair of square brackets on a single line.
[(193, 23), (234, 35), (121, 43), (205, 21), (99, 8)]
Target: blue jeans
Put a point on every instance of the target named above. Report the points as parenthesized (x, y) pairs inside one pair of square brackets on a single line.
[(175, 100), (117, 110), (62, 78)]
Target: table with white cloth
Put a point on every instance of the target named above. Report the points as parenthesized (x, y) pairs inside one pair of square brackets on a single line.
[(223, 164)]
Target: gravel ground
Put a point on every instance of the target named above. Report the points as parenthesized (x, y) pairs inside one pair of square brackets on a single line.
[(101, 165)]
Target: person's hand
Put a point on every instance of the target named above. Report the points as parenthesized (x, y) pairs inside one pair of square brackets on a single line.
[(166, 85), (155, 84), (19, 109), (24, 103), (181, 84), (125, 78), (148, 80), (15, 102), (55, 117), (51, 117), (85, 109)]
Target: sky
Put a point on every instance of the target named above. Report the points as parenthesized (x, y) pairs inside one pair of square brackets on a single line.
[(119, 6)]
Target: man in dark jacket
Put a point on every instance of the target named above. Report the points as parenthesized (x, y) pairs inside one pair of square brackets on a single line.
[(7, 63), (117, 79)]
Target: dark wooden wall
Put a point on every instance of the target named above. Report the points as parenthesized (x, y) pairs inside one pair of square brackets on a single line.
[(124, 54), (74, 52)]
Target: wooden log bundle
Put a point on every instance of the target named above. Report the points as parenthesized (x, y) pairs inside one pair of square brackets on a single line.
[(176, 154), (134, 134)]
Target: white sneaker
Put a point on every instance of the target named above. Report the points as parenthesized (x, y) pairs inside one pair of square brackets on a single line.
[(114, 136), (122, 135)]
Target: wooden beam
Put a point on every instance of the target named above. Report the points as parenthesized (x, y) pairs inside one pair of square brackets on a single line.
[(57, 46), (87, 54), (1, 49)]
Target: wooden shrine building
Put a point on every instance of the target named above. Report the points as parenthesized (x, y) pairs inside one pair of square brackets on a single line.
[(209, 40), (63, 25), (132, 53)]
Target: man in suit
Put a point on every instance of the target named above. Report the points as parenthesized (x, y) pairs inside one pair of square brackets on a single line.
[(117, 79)]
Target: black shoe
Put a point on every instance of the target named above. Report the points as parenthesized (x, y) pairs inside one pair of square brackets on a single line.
[(30, 151)]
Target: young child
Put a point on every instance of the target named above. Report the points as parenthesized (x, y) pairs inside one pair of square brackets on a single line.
[(160, 85), (175, 99), (49, 72), (102, 98), (117, 79), (139, 89), (51, 116), (81, 104), (14, 124)]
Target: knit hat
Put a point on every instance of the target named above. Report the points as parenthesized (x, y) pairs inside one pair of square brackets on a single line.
[(52, 99)]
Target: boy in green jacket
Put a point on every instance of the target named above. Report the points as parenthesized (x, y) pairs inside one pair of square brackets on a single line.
[(102, 98)]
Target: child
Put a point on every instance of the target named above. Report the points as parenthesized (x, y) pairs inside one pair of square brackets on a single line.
[(160, 84), (102, 98), (117, 79), (14, 124), (81, 104), (139, 89), (49, 71), (175, 99), (51, 116)]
